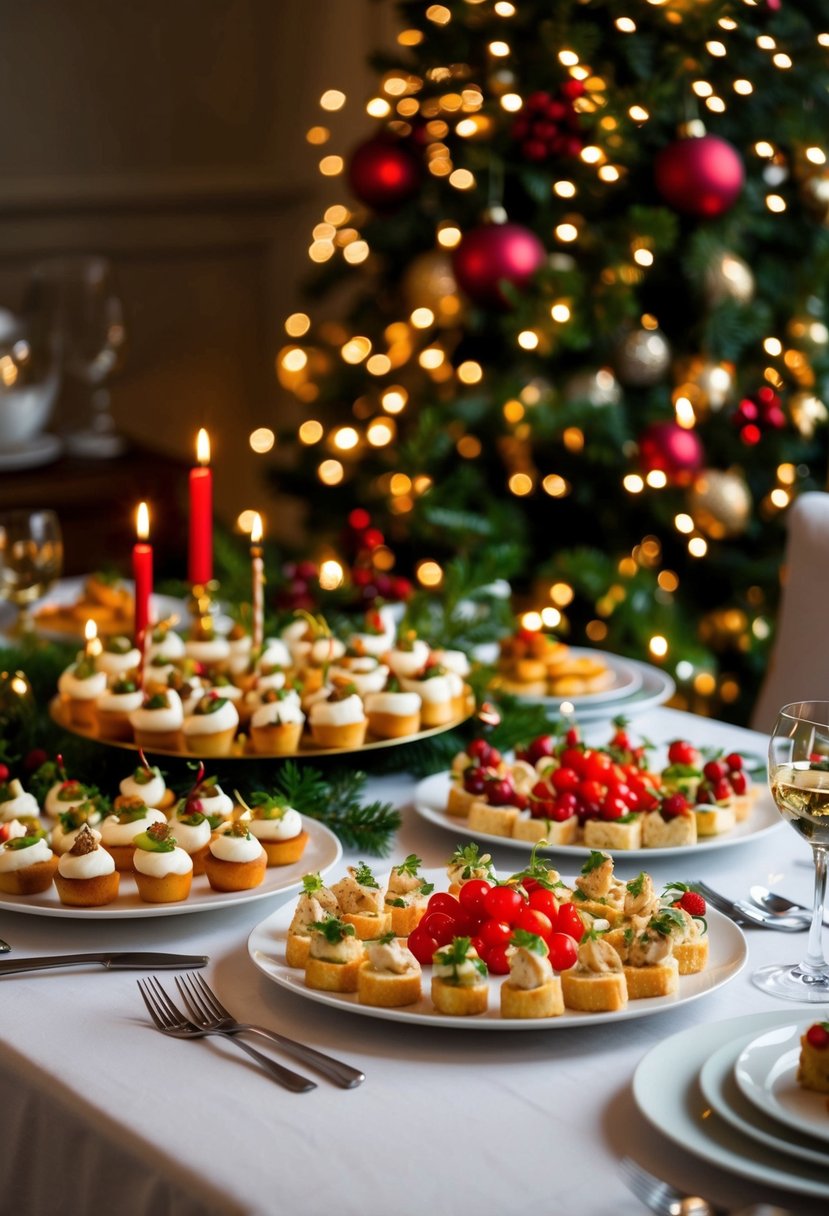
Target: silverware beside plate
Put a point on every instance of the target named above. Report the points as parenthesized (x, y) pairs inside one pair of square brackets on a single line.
[(134, 960)]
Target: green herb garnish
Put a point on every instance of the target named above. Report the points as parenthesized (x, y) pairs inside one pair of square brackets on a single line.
[(364, 876), (529, 941), (333, 929)]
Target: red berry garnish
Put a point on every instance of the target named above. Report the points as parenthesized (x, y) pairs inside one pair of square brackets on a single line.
[(500, 793), (572, 736), (674, 805), (734, 761), (818, 1035), (474, 780), (540, 747), (693, 903), (739, 782), (722, 790), (714, 770), (681, 752)]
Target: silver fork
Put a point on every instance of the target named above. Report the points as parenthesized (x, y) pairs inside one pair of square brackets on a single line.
[(207, 1011), (660, 1196), (170, 1020), (744, 914)]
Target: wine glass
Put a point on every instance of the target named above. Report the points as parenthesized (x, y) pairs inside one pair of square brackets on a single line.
[(77, 296), (31, 558), (799, 780)]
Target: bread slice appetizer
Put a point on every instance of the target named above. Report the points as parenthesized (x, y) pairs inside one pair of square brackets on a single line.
[(390, 976), (361, 903), (622, 833), (335, 955), (459, 979), (532, 990), (407, 895), (596, 984), (685, 914), (597, 892), (649, 966), (314, 904)]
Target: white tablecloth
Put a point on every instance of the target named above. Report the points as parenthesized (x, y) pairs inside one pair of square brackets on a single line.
[(101, 1114)]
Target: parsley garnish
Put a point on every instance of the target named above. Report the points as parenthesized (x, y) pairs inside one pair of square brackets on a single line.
[(333, 929), (637, 885), (311, 883), (594, 861), (410, 866), (529, 941), (364, 876)]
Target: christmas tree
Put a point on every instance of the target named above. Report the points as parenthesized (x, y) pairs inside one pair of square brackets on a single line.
[(579, 320)]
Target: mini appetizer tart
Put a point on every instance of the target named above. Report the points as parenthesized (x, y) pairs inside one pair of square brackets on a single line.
[(27, 864), (278, 828), (335, 955), (80, 686), (86, 876), (118, 830), (532, 989), (64, 795), (377, 634), (158, 721), (315, 903), (459, 979), (361, 903), (596, 984), (673, 824), (390, 976), (210, 729), (208, 797), (365, 672), (192, 831), (146, 782), (407, 895), (649, 966), (393, 713), (276, 725), (339, 720), (118, 656), (440, 693), (16, 803), (163, 872), (116, 703), (206, 646), (275, 654), (165, 643), (235, 860), (408, 656), (685, 915), (70, 823), (813, 1063), (467, 863)]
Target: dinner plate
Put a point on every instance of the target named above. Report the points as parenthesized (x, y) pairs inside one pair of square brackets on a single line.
[(667, 1093), (766, 1073), (322, 852), (266, 946), (627, 679), (430, 803), (720, 1090)]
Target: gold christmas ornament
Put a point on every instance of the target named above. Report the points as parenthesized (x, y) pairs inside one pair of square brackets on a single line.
[(719, 502), (708, 385), (814, 192), (597, 386), (429, 282), (807, 412), (642, 357), (728, 277)]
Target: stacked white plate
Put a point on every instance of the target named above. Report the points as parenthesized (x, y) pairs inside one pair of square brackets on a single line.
[(728, 1093)]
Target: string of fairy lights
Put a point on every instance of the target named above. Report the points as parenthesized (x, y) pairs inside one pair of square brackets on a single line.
[(454, 111)]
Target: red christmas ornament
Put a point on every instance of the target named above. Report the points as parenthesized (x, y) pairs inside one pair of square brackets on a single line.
[(758, 414), (672, 450), (548, 126), (495, 254), (384, 173), (700, 176)]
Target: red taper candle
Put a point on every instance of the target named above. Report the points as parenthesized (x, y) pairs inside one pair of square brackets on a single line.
[(200, 570), (142, 570)]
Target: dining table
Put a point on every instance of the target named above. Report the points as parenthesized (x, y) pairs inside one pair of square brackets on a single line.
[(103, 1114)]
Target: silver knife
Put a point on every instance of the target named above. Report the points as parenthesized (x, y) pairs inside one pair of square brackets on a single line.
[(131, 960)]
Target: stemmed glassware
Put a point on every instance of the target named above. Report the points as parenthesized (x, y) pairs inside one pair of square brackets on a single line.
[(31, 557), (799, 780)]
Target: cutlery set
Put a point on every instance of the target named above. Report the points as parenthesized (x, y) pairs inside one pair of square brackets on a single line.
[(666, 1200), (763, 910)]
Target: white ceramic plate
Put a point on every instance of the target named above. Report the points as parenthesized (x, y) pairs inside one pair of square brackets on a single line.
[(322, 853), (719, 1088), (627, 679), (766, 1072), (266, 946), (667, 1093), (655, 688), (430, 803)]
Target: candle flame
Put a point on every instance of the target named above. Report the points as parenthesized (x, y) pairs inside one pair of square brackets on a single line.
[(142, 521), (90, 630), (256, 529), (203, 447)]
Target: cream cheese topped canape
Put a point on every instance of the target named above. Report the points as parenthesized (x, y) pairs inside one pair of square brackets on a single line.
[(314, 904), (409, 655), (80, 685), (71, 823), (86, 876), (163, 871), (146, 782), (407, 895), (118, 655), (335, 955), (390, 976), (158, 721), (118, 830), (276, 724), (339, 720), (64, 795), (235, 859), (366, 673), (211, 727), (278, 827), (378, 632), (116, 703), (27, 864), (532, 990), (459, 979), (361, 902), (597, 982), (16, 803)]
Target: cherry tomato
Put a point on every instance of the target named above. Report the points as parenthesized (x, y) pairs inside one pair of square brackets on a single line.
[(533, 921), (471, 895), (564, 807), (422, 945), (563, 951), (495, 933), (480, 945), (474, 780), (734, 761), (613, 807), (572, 736), (497, 960), (503, 903), (714, 770), (591, 793), (739, 782), (681, 752), (543, 900), (597, 766), (573, 757), (500, 792), (564, 780), (440, 927), (442, 901), (568, 921), (544, 745)]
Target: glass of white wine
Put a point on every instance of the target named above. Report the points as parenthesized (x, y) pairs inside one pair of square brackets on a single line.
[(799, 780), (31, 558)]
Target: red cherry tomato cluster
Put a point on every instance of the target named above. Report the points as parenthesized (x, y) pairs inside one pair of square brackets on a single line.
[(592, 783), (490, 913), (721, 779)]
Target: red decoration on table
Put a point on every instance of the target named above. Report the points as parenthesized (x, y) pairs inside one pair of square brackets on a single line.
[(200, 570), (700, 176), (383, 173), (494, 254), (142, 572), (671, 449)]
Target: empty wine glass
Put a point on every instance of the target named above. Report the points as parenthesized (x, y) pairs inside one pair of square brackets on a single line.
[(799, 780), (31, 558), (77, 296)]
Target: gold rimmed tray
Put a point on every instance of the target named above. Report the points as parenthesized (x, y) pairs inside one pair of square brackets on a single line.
[(242, 750)]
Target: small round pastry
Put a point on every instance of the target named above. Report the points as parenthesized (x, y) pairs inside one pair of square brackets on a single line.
[(366, 673), (209, 798), (362, 904), (118, 656), (314, 904), (27, 864), (459, 979), (16, 803), (116, 703), (86, 876), (276, 725), (393, 713), (339, 720), (163, 872), (275, 654), (209, 648), (407, 895), (146, 782), (118, 830), (596, 984), (241, 648), (453, 660), (235, 860), (390, 976), (159, 673), (409, 655), (532, 989), (312, 643), (278, 828), (377, 635), (438, 692), (211, 728), (80, 686), (157, 722), (64, 796), (335, 955), (192, 831), (70, 823), (165, 643)]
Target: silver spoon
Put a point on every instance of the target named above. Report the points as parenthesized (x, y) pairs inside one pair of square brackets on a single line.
[(778, 905)]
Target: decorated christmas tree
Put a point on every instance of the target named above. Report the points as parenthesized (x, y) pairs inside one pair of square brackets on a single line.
[(569, 308)]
